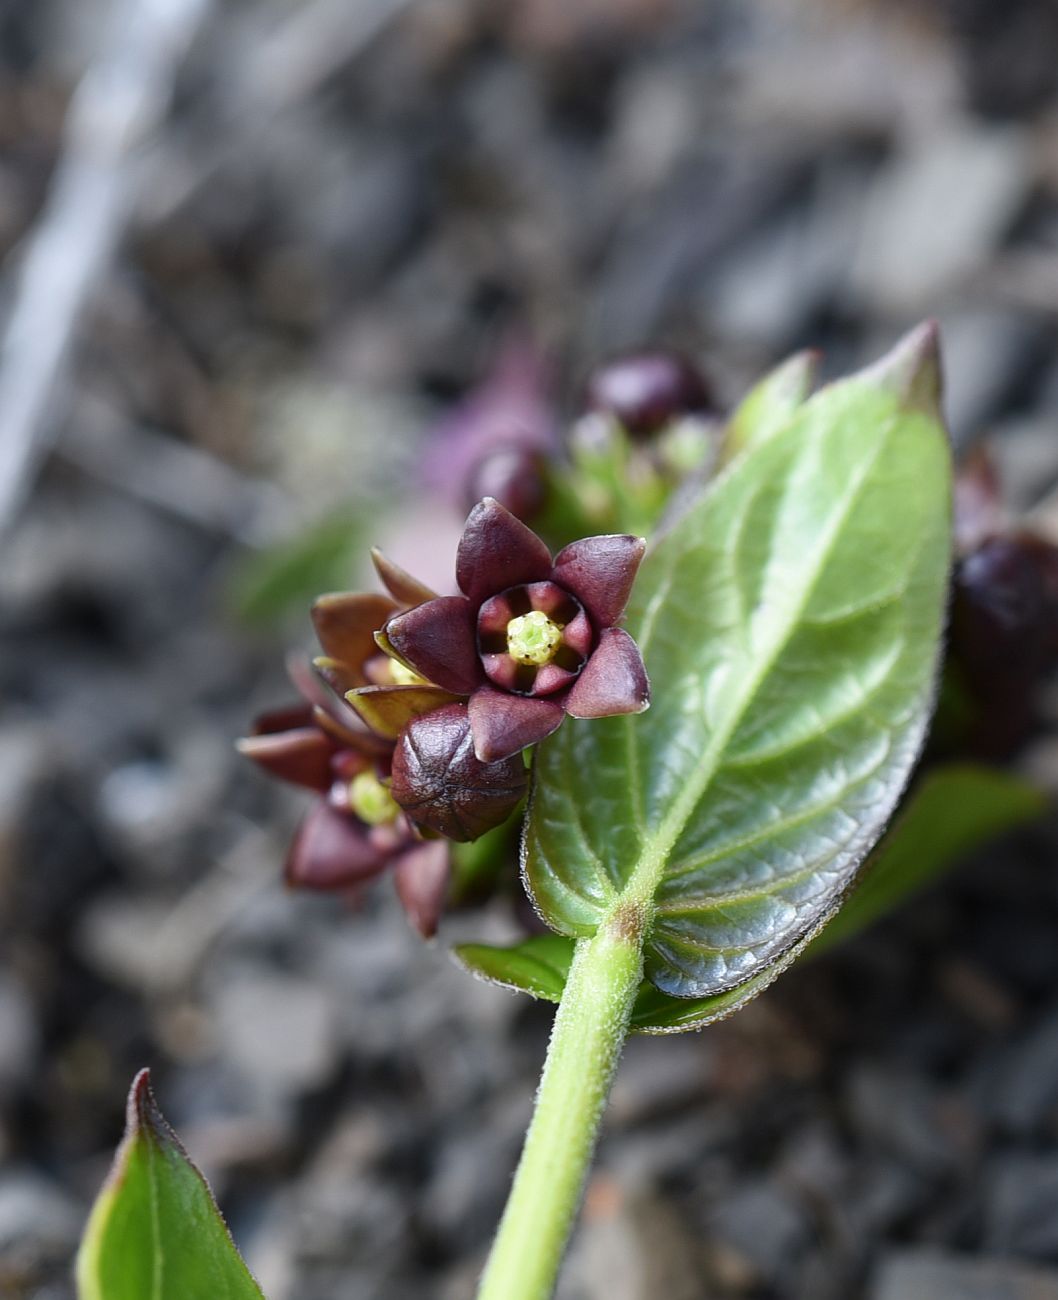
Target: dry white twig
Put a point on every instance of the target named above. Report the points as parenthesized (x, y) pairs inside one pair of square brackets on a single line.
[(116, 107)]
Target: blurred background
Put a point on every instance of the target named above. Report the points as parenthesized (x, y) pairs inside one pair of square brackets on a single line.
[(252, 253)]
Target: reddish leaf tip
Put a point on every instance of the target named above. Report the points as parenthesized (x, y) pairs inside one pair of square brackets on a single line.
[(143, 1116), (912, 369)]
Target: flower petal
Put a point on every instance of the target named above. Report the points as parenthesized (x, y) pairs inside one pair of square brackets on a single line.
[(301, 756), (346, 623), (498, 551), (503, 724), (343, 725), (437, 640), (389, 709), (338, 675), (600, 571), (613, 680), (400, 584), (421, 877), (289, 718), (332, 851)]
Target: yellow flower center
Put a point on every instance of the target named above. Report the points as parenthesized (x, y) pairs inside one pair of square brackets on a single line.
[(533, 638), (371, 800)]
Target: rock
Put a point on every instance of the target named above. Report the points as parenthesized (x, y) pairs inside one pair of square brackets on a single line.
[(660, 1076), (765, 1226), (278, 1031), (932, 1275), (19, 1036), (631, 1246), (1021, 1090), (904, 1117), (23, 756), (1026, 451), (986, 353), (39, 1229), (937, 210), (464, 1197), (1021, 1212)]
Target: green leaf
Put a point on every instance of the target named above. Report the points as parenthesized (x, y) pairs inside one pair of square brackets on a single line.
[(538, 966), (155, 1232), (954, 809), (791, 624), (771, 405)]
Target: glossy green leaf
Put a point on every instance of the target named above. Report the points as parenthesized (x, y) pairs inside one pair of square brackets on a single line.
[(953, 810), (155, 1232), (791, 624), (538, 966), (771, 404)]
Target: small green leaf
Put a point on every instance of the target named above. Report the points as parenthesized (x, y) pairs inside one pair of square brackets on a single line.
[(155, 1232), (791, 625), (953, 809), (538, 966), (771, 405)]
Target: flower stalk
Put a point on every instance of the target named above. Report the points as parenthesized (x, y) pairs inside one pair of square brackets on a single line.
[(586, 1041)]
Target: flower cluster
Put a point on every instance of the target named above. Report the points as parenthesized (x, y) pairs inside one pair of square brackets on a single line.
[(446, 691)]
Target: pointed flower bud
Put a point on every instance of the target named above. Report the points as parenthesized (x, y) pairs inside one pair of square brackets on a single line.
[(644, 391), (442, 785)]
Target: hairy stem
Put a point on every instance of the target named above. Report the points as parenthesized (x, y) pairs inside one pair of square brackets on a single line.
[(586, 1041)]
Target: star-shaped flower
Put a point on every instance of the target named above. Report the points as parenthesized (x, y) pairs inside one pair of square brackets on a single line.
[(528, 640)]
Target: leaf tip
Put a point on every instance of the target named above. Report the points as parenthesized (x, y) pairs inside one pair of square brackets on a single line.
[(912, 370), (143, 1116)]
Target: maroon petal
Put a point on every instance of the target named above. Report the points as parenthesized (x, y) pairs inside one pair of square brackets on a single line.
[(503, 724), (346, 623), (399, 582), (600, 571), (437, 640), (302, 757), (289, 718), (421, 877), (342, 725), (332, 851), (338, 675), (498, 551), (613, 680)]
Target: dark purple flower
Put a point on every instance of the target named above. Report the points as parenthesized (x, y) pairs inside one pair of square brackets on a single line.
[(1004, 633), (515, 476), (644, 391), (355, 830), (441, 783), (530, 639), (511, 409)]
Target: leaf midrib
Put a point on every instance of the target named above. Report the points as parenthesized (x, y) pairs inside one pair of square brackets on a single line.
[(645, 877)]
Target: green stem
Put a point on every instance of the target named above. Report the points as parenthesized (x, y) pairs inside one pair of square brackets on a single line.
[(586, 1041)]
